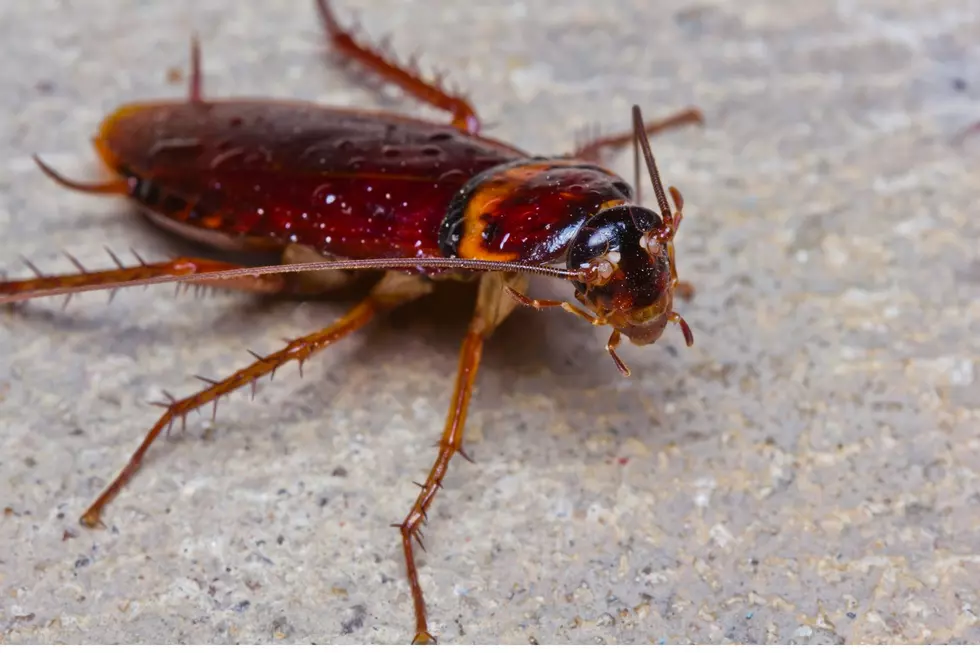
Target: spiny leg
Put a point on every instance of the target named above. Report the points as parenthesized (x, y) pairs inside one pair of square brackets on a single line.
[(406, 77), (393, 289), (9, 289), (591, 150), (68, 284), (300, 284), (492, 307)]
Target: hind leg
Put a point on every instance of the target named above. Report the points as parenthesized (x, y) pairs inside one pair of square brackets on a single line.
[(406, 77), (42, 285)]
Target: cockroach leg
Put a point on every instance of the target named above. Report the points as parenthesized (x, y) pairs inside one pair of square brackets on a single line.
[(393, 290), (174, 267), (492, 308), (408, 79), (688, 334), (614, 339), (592, 149), (111, 187), (540, 304)]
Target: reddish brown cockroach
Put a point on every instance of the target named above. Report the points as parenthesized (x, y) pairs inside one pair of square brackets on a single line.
[(339, 192)]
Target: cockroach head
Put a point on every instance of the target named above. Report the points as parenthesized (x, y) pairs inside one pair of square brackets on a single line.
[(626, 253)]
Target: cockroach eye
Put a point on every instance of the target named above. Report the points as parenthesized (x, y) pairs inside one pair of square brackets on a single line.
[(651, 244), (604, 267)]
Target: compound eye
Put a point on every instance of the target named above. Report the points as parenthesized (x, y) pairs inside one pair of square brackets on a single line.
[(604, 267), (650, 242)]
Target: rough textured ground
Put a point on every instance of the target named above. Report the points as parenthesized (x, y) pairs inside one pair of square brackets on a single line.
[(808, 472)]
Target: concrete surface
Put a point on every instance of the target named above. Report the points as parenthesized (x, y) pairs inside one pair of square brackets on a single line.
[(808, 472)]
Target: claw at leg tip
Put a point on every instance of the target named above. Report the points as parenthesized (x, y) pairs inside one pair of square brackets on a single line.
[(423, 638), (91, 520)]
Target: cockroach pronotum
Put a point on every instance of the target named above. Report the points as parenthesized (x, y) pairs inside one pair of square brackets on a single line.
[(341, 193)]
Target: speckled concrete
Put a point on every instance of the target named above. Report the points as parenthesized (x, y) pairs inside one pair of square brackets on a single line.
[(808, 472)]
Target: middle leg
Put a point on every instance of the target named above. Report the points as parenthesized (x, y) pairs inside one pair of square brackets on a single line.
[(492, 307), (394, 289)]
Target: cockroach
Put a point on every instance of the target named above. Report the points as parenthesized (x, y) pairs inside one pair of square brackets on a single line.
[(338, 193)]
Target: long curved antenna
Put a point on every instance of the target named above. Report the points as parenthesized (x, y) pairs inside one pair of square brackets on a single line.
[(636, 164), (363, 264), (643, 140)]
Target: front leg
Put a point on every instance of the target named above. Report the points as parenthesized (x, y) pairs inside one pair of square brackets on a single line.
[(540, 304), (492, 308)]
